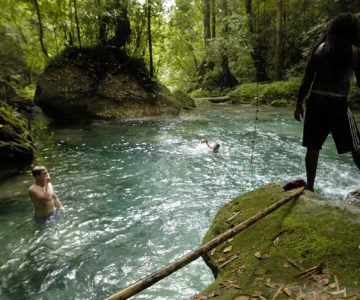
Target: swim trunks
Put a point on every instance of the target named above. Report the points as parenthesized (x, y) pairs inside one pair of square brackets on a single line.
[(45, 219), (329, 114)]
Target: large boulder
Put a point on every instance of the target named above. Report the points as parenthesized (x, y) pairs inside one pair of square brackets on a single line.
[(101, 83), (16, 144), (308, 248)]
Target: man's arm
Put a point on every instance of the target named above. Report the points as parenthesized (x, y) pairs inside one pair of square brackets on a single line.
[(357, 66), (57, 202), (206, 142), (304, 88)]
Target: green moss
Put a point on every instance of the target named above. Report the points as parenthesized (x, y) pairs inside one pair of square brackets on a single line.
[(273, 93), (16, 143), (182, 99), (310, 230)]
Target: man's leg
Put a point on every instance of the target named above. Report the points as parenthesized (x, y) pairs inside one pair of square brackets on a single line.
[(356, 158), (311, 161)]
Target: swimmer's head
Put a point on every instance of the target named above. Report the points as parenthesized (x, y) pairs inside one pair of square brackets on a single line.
[(216, 147), (36, 171)]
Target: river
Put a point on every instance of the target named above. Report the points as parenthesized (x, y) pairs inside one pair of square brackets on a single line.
[(140, 194)]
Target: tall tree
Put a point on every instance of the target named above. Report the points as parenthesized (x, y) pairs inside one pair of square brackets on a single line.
[(278, 44), (207, 34), (77, 23), (213, 19), (229, 78), (258, 44), (41, 32), (149, 38)]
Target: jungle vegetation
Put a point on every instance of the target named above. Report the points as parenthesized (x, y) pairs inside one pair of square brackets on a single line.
[(202, 47)]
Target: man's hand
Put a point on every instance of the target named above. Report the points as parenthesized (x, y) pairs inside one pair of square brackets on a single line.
[(204, 141), (299, 113), (63, 210)]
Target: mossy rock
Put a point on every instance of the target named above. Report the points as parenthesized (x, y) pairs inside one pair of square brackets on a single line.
[(101, 83), (308, 230), (16, 143), (184, 100)]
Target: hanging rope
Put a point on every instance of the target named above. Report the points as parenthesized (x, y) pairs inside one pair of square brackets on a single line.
[(257, 98), (255, 125)]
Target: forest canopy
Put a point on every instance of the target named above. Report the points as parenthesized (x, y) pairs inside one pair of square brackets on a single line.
[(186, 44)]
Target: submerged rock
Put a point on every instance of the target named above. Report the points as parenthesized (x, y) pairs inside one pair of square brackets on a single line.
[(101, 83), (304, 233)]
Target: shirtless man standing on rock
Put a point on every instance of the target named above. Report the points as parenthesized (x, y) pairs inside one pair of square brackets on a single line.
[(43, 197), (331, 64)]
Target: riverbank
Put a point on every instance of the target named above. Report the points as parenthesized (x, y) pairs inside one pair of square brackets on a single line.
[(310, 244)]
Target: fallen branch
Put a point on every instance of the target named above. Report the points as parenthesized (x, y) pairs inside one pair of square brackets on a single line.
[(310, 271), (295, 265), (279, 290), (145, 282)]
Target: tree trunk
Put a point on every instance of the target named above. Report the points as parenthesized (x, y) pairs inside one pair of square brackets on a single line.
[(71, 31), (207, 34), (249, 12), (77, 23), (149, 38), (229, 78), (41, 35), (213, 19), (278, 45), (259, 47)]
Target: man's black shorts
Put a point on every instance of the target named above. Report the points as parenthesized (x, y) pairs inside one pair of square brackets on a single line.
[(327, 114)]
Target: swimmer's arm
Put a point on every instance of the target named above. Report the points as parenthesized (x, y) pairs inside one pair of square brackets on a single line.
[(58, 204), (224, 157), (207, 143)]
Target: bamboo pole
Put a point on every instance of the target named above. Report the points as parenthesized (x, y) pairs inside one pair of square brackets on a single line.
[(149, 280)]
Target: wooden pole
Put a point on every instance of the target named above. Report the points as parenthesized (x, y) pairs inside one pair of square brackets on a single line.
[(149, 280)]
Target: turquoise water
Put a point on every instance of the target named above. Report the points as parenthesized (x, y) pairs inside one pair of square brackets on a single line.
[(141, 194)]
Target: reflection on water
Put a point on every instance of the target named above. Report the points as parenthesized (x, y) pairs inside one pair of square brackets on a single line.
[(142, 193)]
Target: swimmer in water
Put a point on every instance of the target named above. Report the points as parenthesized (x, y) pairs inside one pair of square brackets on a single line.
[(43, 197), (214, 148)]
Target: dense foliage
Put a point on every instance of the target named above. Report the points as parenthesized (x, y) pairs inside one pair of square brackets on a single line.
[(193, 44)]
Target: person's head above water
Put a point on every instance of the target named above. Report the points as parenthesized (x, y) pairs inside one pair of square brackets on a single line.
[(36, 171), (216, 147)]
